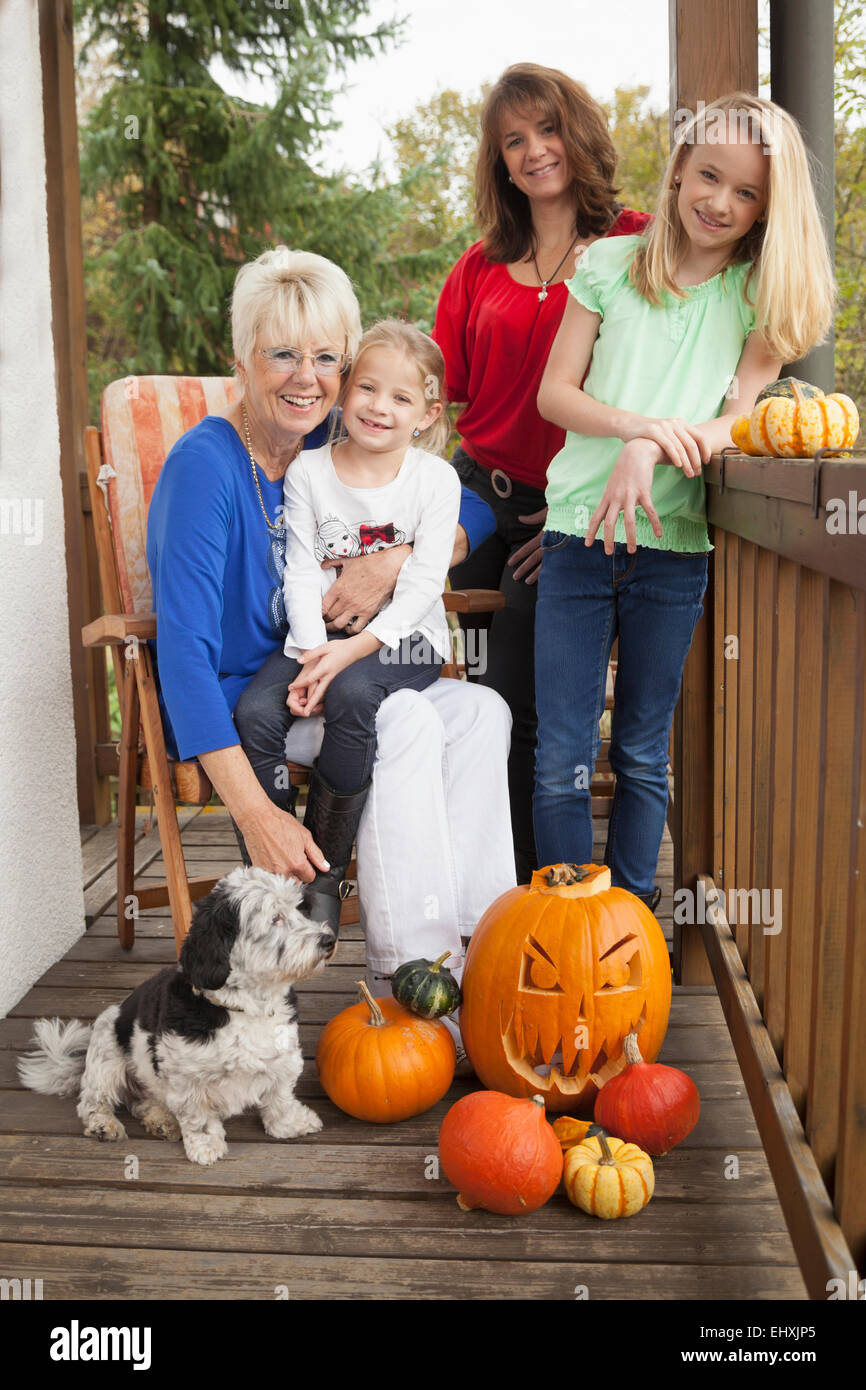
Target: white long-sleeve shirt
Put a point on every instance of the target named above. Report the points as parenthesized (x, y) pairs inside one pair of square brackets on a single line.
[(324, 518)]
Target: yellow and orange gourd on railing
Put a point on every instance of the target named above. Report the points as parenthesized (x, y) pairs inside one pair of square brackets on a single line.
[(793, 419)]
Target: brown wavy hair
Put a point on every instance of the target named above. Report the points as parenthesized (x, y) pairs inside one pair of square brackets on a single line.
[(501, 210)]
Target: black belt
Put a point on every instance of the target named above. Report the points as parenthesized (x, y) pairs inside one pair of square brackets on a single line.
[(505, 487)]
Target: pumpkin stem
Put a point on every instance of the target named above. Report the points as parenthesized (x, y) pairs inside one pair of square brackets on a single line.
[(566, 873), (632, 1050), (539, 1100), (377, 1018), (798, 394), (606, 1155), (438, 963)]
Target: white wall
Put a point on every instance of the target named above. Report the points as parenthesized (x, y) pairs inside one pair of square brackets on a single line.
[(41, 896)]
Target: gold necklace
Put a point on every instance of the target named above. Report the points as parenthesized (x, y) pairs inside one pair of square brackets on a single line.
[(272, 526)]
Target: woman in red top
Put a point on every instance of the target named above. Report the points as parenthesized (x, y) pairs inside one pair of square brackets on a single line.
[(543, 192)]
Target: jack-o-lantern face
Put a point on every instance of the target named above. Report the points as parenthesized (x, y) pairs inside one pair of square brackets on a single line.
[(556, 975)]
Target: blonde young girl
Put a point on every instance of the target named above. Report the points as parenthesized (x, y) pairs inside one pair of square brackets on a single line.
[(681, 328), (379, 486)]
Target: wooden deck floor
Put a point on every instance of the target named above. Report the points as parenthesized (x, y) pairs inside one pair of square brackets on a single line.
[(356, 1211)]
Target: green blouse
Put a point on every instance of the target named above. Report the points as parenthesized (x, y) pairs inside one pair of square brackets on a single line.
[(678, 358)]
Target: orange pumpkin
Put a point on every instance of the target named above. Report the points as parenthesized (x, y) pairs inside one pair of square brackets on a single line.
[(557, 973), (377, 1061)]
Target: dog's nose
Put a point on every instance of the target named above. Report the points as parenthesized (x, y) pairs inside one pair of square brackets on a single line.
[(327, 943)]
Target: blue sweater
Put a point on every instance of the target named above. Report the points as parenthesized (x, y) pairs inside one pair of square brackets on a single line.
[(217, 580)]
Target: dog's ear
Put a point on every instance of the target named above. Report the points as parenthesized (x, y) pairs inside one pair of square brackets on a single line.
[(205, 955)]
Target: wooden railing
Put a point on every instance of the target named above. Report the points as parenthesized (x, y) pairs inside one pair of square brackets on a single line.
[(768, 823)]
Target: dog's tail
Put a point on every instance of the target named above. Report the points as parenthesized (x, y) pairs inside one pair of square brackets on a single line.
[(56, 1067)]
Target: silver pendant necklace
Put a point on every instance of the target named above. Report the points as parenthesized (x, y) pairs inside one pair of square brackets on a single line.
[(542, 293)]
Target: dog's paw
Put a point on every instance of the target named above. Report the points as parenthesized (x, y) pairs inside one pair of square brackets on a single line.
[(205, 1148), (160, 1122), (291, 1124), (105, 1128)]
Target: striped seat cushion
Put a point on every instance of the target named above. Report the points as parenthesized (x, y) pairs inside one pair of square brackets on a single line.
[(142, 417)]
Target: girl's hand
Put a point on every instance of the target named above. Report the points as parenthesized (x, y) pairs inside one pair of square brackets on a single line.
[(321, 665), (305, 702), (682, 442), (628, 486), (527, 558)]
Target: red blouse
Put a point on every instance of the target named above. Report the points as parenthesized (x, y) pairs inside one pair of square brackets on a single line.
[(496, 336)]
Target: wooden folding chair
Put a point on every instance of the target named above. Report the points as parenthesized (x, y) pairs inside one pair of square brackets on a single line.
[(142, 418)]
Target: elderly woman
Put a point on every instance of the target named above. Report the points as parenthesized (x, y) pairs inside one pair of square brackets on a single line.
[(434, 843)]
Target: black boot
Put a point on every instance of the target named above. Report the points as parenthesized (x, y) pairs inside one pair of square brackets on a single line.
[(332, 819), (652, 899)]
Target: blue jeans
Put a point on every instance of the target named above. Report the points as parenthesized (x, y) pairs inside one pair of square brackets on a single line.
[(352, 702), (651, 600)]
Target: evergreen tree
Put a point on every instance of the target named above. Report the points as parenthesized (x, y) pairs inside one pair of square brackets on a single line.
[(198, 180)]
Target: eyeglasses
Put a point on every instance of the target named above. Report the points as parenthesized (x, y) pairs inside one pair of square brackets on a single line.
[(285, 359)]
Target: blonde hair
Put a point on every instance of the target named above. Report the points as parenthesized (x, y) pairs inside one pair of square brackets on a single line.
[(426, 355), (501, 210), (294, 297), (791, 270)]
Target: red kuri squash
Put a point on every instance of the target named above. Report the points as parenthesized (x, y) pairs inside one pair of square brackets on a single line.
[(648, 1104), (500, 1153)]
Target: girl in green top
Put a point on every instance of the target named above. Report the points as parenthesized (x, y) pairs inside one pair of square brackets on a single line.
[(680, 329)]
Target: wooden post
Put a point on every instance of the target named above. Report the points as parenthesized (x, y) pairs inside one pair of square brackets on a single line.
[(714, 50), (70, 365)]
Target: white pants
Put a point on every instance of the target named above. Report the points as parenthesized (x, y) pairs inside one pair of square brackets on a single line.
[(434, 846)]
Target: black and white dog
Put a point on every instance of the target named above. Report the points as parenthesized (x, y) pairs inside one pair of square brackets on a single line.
[(203, 1039)]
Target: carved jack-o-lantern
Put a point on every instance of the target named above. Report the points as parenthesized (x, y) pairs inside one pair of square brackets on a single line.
[(557, 973)]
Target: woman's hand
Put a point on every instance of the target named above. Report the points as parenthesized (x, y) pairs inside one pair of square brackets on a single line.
[(274, 839), (277, 842), (359, 592), (628, 486), (527, 558), (681, 442)]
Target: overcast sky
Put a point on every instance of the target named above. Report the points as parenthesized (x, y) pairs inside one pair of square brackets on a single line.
[(463, 43)]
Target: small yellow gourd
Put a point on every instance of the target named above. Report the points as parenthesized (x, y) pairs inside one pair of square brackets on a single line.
[(607, 1177)]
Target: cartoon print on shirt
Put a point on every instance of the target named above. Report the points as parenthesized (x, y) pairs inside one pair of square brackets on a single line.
[(335, 540), (339, 540)]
